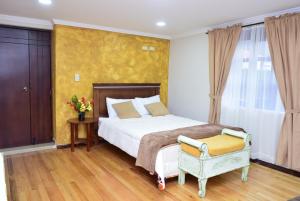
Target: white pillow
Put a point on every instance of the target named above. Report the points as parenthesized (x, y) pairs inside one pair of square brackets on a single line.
[(141, 102), (111, 111)]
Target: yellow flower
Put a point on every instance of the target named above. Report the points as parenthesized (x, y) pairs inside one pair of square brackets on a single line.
[(89, 108), (82, 108)]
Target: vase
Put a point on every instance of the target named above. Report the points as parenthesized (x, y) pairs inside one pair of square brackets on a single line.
[(81, 116)]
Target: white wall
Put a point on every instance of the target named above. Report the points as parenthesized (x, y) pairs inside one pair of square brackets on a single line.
[(188, 77), (2, 180)]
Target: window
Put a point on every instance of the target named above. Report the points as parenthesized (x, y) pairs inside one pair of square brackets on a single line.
[(252, 74), (251, 99)]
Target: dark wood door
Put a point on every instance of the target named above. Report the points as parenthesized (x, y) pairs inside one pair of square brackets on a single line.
[(40, 86), (14, 89), (25, 87)]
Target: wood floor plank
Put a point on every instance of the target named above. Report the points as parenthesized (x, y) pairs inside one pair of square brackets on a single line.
[(107, 174)]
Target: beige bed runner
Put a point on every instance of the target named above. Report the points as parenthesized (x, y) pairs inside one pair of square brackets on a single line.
[(152, 143)]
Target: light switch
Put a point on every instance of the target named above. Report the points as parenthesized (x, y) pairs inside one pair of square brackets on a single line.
[(77, 77)]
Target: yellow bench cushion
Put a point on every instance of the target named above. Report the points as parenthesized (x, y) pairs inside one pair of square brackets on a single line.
[(217, 145)]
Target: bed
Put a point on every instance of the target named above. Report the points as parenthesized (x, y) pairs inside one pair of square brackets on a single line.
[(126, 134)]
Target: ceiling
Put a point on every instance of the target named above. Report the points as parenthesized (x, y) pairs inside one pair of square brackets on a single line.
[(181, 16)]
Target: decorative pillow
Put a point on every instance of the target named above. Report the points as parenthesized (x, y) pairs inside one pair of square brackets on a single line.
[(157, 109), (141, 102), (126, 110), (109, 102)]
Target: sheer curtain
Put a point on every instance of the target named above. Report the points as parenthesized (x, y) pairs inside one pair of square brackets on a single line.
[(251, 98)]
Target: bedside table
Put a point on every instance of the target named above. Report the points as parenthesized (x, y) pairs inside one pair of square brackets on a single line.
[(89, 125)]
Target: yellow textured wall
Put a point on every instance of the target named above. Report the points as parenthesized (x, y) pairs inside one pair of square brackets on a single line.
[(101, 56)]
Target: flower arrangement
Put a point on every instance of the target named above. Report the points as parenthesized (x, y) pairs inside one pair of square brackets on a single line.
[(81, 106)]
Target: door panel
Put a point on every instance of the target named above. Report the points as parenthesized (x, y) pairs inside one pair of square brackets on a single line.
[(14, 95), (14, 33), (40, 81)]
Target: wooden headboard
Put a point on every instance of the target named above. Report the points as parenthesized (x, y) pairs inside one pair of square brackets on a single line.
[(118, 90)]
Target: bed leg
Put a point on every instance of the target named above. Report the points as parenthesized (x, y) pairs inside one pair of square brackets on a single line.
[(161, 183)]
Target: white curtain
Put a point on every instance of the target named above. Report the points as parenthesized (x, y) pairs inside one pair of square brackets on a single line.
[(251, 98)]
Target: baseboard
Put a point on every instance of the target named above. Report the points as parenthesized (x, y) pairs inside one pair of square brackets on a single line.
[(64, 146), (26, 149), (276, 167), (263, 157)]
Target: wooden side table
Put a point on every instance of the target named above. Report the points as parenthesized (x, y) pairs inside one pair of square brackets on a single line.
[(89, 124)]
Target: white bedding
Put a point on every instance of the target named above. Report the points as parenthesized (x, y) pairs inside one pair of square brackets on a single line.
[(127, 133)]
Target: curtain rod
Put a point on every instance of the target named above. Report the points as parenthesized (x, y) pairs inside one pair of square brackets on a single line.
[(249, 25)]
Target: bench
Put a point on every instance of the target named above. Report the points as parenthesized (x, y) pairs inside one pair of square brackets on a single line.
[(213, 156)]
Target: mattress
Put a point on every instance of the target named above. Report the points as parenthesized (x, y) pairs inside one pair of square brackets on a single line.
[(127, 134)]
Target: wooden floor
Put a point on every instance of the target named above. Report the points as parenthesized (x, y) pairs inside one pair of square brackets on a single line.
[(107, 173)]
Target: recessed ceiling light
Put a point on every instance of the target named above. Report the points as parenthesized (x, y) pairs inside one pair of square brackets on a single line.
[(160, 24), (45, 2)]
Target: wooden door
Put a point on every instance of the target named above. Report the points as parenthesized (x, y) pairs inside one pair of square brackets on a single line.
[(40, 86), (25, 87), (14, 88)]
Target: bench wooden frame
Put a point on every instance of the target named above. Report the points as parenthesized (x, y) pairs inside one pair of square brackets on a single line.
[(207, 166)]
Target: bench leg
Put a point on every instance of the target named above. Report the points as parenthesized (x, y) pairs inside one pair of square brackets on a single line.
[(245, 171), (202, 187), (181, 177)]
